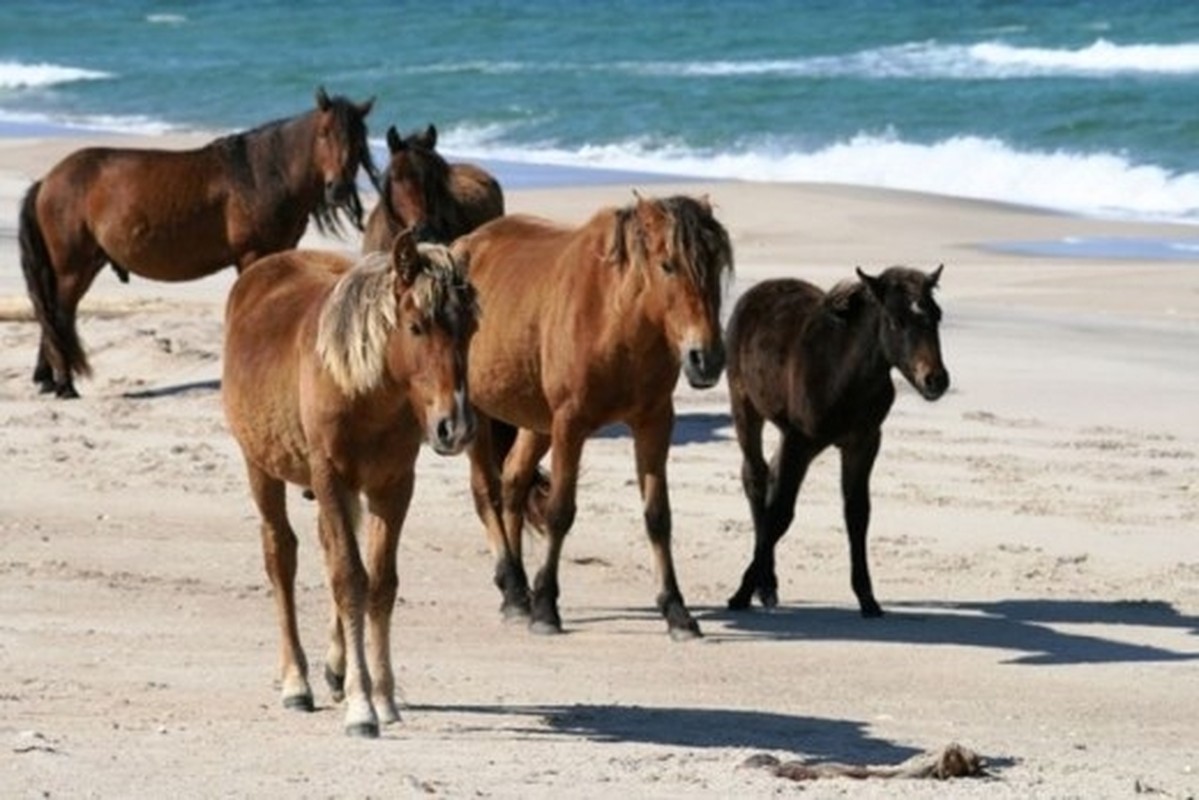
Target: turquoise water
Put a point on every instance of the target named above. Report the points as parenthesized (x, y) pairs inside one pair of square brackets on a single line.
[(1085, 107)]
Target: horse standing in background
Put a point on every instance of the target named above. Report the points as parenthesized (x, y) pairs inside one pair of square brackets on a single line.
[(334, 374), (584, 327), (818, 367), (174, 215), (421, 191)]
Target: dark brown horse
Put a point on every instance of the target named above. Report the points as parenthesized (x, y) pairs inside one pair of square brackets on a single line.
[(334, 373), (583, 327), (818, 367), (421, 191), (180, 215)]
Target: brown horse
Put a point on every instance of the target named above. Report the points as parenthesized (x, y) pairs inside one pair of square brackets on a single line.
[(439, 201), (583, 327), (333, 375), (180, 215), (818, 367)]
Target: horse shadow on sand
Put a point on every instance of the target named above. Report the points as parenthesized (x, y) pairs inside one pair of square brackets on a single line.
[(695, 427), (1038, 632), (695, 728)]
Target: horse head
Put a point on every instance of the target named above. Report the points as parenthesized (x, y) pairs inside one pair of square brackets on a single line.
[(340, 148), (416, 173), (687, 259), (908, 331), (436, 316)]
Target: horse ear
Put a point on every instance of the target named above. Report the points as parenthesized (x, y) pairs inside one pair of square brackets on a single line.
[(322, 99), (404, 258), (430, 138), (365, 107), (935, 276), (872, 283), (395, 142)]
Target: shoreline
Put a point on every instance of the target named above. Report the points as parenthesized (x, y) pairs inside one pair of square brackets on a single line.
[(518, 176)]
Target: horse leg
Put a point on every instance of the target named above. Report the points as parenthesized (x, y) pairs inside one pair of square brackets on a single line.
[(61, 354), (348, 581), (776, 510), (651, 445), (386, 512), (755, 477), (279, 557), (567, 441), (857, 461), (510, 576)]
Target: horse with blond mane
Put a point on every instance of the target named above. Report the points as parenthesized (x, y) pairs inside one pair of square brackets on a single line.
[(334, 374)]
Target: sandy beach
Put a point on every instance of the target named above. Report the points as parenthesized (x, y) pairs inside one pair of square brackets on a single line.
[(1034, 541)]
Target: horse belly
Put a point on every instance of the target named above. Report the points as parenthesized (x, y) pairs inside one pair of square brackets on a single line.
[(152, 249)]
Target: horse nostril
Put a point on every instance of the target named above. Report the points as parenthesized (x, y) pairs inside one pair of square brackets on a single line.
[(445, 430)]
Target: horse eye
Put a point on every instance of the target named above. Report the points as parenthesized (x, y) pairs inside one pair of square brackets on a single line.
[(668, 267), (415, 329)]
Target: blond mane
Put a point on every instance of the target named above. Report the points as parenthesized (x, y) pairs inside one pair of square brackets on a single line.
[(359, 316)]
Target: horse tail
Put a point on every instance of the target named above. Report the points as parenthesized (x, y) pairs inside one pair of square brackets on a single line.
[(503, 436), (59, 335)]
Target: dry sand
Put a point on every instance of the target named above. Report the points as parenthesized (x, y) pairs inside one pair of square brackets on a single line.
[(1035, 541)]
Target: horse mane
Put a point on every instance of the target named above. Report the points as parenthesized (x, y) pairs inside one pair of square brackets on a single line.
[(845, 298), (700, 244), (272, 139), (359, 316)]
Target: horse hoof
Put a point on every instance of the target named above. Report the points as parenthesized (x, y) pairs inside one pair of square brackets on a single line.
[(685, 633), (336, 684), (769, 598), (66, 392), (543, 628), (740, 601), (516, 612), (363, 730), (871, 610), (299, 702)]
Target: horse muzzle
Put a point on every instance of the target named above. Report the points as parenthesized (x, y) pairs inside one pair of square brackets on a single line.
[(703, 365), (450, 434), (932, 383)]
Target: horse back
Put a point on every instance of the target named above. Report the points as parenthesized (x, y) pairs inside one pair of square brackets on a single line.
[(516, 264), (767, 358), (270, 339), (477, 192), (158, 213)]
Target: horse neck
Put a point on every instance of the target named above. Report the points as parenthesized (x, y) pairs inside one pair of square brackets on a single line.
[(860, 355), (272, 154)]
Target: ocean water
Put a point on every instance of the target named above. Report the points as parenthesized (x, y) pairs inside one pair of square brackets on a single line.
[(1087, 107)]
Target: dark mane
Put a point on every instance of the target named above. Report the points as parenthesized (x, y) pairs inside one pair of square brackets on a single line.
[(257, 158)]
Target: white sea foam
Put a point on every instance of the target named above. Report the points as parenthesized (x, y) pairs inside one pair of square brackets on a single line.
[(166, 19), (1098, 184), (993, 59), (15, 75)]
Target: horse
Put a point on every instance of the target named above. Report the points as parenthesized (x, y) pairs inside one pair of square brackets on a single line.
[(173, 215), (334, 373), (818, 366), (584, 327), (420, 190)]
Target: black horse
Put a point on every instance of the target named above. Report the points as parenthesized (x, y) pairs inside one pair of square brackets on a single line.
[(818, 366)]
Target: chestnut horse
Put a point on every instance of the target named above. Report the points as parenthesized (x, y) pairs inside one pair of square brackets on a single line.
[(583, 327), (818, 367), (180, 215), (439, 201), (334, 373)]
